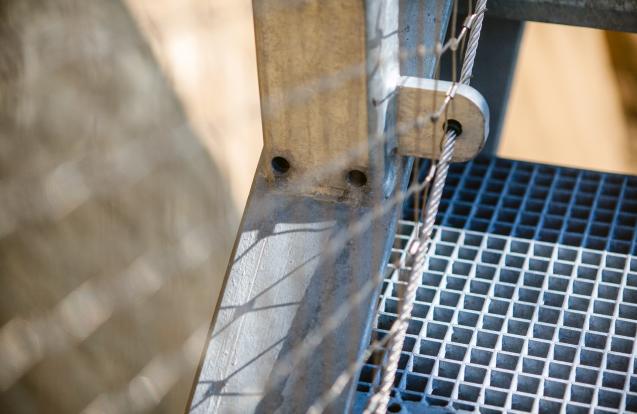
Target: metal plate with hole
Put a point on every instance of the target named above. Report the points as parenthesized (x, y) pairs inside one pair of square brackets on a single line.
[(468, 108)]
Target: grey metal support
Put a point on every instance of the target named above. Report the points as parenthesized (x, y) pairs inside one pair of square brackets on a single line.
[(617, 15), (282, 283), (494, 70)]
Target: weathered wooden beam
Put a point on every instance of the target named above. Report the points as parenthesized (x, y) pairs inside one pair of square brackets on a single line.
[(311, 63)]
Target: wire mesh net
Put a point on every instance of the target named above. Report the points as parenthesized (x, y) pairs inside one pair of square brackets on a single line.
[(506, 315)]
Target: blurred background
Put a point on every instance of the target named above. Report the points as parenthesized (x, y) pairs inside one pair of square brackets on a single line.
[(130, 132)]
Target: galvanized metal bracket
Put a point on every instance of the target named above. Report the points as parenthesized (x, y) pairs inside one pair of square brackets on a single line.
[(324, 66), (421, 138)]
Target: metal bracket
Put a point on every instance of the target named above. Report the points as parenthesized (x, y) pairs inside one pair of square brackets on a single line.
[(291, 269), (467, 107)]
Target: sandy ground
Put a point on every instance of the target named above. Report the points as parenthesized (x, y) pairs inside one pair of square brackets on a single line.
[(566, 106), (206, 48)]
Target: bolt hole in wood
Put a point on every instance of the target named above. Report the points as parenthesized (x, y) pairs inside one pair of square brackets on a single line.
[(394, 407), (356, 178), (280, 165)]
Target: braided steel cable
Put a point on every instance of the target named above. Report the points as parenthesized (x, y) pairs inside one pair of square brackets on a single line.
[(419, 248)]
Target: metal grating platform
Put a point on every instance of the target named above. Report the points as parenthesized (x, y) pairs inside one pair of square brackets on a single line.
[(529, 301), (542, 202)]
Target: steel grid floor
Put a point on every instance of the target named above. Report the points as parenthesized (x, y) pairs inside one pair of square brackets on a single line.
[(529, 301)]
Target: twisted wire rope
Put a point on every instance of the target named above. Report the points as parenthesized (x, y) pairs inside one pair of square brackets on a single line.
[(419, 248)]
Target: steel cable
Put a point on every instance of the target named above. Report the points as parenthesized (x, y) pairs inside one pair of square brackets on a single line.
[(419, 248)]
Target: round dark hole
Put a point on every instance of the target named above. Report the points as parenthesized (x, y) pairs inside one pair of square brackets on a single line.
[(356, 178), (453, 125), (394, 407), (280, 165)]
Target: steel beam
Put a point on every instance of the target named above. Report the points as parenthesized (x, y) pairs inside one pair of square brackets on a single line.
[(285, 279), (617, 15)]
